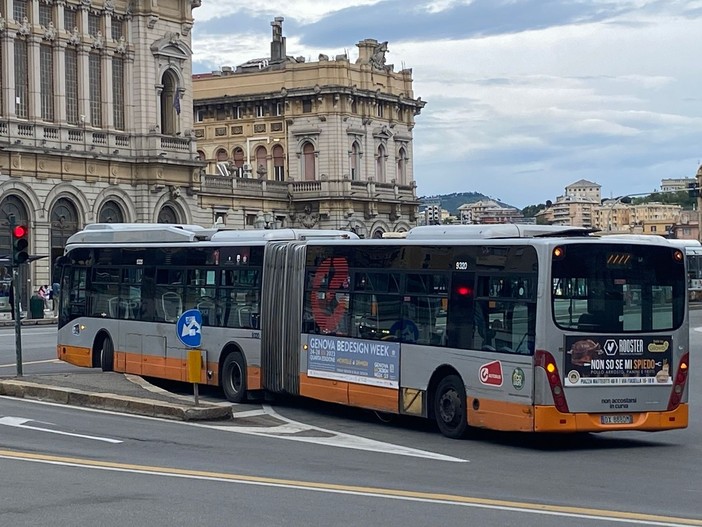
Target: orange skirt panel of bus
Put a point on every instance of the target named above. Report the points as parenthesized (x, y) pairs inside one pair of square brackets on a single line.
[(548, 419), (75, 355), (501, 415), (359, 395)]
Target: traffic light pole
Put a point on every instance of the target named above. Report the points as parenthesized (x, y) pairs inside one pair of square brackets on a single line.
[(16, 304)]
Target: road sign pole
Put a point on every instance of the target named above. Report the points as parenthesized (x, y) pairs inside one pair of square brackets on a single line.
[(194, 368)]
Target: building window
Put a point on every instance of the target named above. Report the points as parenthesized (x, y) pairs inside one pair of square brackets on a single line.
[(46, 15), (117, 28), (380, 165), (307, 106), (355, 162), (71, 86), (21, 77), (69, 19), (200, 116), (19, 10), (222, 155), (308, 161), (278, 163), (278, 109), (380, 109), (118, 92), (95, 90), (402, 167), (94, 26), (261, 168), (238, 156), (260, 110), (354, 107), (46, 60)]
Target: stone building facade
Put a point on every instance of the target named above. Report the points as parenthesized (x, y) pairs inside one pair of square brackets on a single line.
[(323, 144), (95, 119)]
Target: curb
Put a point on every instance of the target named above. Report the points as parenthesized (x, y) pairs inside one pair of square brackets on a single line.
[(110, 401)]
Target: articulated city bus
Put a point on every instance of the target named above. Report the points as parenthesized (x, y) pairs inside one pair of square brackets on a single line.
[(506, 327)]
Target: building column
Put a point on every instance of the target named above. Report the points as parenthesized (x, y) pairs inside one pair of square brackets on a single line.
[(108, 116), (84, 82), (60, 82), (129, 87), (7, 49), (34, 63)]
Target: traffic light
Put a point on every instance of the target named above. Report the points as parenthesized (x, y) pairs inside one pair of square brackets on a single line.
[(20, 244), (693, 190)]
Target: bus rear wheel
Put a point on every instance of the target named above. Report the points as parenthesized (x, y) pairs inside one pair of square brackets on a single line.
[(234, 377), (450, 407), (107, 355)]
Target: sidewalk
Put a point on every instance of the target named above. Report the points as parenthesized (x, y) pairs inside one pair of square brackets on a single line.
[(111, 391)]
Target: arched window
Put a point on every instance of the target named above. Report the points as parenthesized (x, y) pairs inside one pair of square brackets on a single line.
[(239, 161), (170, 103), (380, 165), (278, 163), (402, 167), (355, 161), (261, 163), (201, 155), (168, 214), (14, 206), (111, 212), (308, 161), (222, 155), (64, 223)]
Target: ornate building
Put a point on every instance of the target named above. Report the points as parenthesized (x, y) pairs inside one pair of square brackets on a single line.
[(95, 119), (323, 144)]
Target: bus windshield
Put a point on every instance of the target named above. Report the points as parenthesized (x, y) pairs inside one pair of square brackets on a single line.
[(618, 288)]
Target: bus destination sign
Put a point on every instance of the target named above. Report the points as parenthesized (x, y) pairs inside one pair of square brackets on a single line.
[(371, 362), (603, 360)]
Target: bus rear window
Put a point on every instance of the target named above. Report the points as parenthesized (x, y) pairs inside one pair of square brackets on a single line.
[(616, 288)]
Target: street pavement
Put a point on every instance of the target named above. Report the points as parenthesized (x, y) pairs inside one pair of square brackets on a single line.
[(108, 391)]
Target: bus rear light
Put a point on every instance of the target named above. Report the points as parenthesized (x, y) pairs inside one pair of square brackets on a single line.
[(680, 381), (545, 360)]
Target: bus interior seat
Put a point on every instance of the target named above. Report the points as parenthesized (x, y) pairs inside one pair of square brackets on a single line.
[(172, 306)]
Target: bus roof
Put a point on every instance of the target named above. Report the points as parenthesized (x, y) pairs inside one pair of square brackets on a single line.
[(282, 235), (503, 230), (160, 233)]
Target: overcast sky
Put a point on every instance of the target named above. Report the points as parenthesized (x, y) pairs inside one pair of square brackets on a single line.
[(523, 96)]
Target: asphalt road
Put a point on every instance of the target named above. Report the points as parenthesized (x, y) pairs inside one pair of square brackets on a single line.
[(66, 466)]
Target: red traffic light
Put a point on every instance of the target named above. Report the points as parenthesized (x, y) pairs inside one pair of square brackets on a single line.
[(20, 231)]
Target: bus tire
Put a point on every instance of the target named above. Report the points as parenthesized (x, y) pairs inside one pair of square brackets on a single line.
[(107, 355), (234, 377), (450, 407)]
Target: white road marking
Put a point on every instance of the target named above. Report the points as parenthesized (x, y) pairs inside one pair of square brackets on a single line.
[(249, 413), (336, 439), (26, 363), (19, 422)]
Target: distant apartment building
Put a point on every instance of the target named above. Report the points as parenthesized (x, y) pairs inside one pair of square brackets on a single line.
[(584, 189), (574, 210), (677, 184), (488, 212), (324, 144), (687, 227), (613, 216)]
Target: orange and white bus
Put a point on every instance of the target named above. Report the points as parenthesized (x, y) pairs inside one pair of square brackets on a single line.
[(507, 327)]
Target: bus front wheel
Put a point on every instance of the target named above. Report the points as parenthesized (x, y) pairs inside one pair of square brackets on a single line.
[(234, 377), (450, 407), (107, 355)]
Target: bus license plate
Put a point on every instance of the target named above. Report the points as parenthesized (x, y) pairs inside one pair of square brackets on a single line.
[(624, 419)]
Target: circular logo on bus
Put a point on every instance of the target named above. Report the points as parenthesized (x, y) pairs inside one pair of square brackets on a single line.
[(518, 378), (574, 376)]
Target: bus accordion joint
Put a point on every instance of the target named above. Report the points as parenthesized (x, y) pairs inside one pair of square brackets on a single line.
[(546, 361), (679, 383)]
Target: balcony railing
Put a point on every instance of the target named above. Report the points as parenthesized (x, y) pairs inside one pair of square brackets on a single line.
[(52, 137), (325, 188)]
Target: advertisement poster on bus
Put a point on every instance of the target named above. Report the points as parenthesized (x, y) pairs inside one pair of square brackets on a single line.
[(376, 363), (603, 361)]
